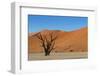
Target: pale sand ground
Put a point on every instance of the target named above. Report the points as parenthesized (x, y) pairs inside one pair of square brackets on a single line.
[(54, 56)]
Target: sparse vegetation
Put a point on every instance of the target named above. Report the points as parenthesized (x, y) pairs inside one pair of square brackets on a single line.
[(48, 44)]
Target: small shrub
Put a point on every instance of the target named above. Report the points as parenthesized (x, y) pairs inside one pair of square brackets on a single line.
[(71, 50)]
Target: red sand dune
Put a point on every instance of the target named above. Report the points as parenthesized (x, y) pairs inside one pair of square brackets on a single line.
[(73, 41)]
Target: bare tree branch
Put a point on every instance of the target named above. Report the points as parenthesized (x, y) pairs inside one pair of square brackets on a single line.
[(47, 43)]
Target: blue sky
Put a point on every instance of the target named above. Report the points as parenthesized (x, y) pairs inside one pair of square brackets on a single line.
[(37, 23)]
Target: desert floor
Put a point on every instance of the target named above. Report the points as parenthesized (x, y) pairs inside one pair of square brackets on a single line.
[(54, 56)]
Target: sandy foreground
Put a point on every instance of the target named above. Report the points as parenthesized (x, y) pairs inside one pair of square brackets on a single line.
[(56, 56)]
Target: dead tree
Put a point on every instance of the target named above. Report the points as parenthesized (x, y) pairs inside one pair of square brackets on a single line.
[(48, 43)]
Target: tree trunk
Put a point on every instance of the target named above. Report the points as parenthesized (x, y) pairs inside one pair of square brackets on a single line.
[(47, 53)]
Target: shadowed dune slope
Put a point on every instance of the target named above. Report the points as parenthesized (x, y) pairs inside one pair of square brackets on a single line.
[(74, 41)]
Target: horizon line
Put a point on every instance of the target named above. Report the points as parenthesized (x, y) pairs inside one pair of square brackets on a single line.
[(59, 30)]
